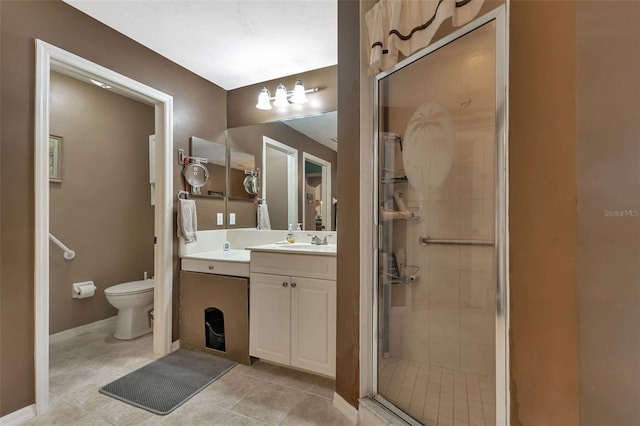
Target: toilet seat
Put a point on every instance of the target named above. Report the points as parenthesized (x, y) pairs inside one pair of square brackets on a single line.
[(130, 288)]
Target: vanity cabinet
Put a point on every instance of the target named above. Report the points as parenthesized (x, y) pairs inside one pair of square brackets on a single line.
[(293, 317), (200, 293)]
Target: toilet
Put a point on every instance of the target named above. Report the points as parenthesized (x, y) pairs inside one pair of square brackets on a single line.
[(134, 301)]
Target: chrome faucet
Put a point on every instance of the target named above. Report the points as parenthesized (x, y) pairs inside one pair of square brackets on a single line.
[(318, 241)]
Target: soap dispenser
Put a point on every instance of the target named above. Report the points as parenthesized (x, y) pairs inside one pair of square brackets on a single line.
[(290, 237)]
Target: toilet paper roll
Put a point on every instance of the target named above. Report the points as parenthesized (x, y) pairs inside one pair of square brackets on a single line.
[(84, 290)]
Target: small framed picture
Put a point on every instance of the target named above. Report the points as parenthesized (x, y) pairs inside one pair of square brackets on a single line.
[(310, 197), (55, 158)]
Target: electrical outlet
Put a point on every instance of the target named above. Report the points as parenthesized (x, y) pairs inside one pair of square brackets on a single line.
[(220, 217), (232, 218)]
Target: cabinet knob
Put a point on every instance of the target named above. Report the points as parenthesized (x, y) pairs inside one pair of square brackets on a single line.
[(293, 284), (211, 267), (284, 284)]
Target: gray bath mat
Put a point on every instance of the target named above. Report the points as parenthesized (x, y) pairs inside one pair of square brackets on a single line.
[(167, 383)]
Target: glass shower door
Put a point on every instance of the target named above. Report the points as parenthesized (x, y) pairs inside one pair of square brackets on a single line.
[(437, 282)]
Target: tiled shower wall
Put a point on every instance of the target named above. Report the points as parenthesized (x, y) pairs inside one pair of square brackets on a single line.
[(447, 316)]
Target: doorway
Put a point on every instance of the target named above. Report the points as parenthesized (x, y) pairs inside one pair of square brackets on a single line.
[(316, 190), (280, 170), (50, 58), (439, 331)]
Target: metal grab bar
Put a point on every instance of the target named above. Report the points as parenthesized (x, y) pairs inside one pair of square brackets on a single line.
[(426, 240), (68, 253)]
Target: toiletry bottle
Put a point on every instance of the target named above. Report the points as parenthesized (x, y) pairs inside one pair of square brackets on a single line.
[(290, 237)]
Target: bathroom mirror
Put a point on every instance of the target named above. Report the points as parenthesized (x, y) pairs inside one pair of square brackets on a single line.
[(211, 155), (242, 169), (315, 136)]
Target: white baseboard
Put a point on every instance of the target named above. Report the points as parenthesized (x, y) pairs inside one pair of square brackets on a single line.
[(77, 331), (175, 345), (348, 410), (19, 417)]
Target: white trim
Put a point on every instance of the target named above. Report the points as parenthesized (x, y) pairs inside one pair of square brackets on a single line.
[(51, 57), (348, 410), (77, 331), (292, 175), (327, 195), (19, 417), (175, 345), (367, 211)]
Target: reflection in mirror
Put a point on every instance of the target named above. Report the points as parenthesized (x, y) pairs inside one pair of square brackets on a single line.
[(314, 135), (280, 183), (215, 155), (316, 189), (241, 166)]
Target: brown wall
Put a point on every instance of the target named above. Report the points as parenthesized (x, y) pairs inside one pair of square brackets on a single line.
[(608, 156), (241, 103), (249, 139), (102, 208), (199, 109), (348, 277), (543, 215)]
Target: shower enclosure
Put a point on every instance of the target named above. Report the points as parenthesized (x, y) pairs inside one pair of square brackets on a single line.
[(441, 225)]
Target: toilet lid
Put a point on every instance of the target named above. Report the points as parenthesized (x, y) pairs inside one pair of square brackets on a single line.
[(132, 287)]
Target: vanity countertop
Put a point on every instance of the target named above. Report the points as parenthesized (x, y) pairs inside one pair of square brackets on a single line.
[(232, 255), (297, 248)]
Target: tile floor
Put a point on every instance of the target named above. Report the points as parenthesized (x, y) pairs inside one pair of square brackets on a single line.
[(262, 394), (438, 396)]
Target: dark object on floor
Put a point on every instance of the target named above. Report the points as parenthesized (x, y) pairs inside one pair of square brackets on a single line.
[(169, 382)]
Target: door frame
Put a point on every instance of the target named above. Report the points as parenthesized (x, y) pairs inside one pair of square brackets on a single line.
[(292, 175), (48, 58), (326, 189), (369, 224)]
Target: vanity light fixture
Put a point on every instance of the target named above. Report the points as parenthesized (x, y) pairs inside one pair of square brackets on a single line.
[(283, 97)]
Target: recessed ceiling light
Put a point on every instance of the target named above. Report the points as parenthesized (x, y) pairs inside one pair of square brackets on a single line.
[(100, 84)]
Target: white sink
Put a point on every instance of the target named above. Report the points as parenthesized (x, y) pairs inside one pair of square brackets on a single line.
[(303, 248)]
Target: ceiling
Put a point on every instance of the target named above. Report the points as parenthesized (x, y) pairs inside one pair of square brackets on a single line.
[(231, 43)]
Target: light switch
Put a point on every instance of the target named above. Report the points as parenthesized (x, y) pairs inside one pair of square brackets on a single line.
[(220, 217), (232, 218)]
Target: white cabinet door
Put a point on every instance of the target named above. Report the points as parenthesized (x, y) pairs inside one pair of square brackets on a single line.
[(269, 317), (313, 325)]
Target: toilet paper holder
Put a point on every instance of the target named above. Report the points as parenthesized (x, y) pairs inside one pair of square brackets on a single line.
[(83, 290)]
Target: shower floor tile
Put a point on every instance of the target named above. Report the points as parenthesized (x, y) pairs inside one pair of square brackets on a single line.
[(437, 396)]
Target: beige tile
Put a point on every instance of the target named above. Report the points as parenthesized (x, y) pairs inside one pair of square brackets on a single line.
[(71, 380), (122, 414), (444, 287), (476, 327), (314, 410), (129, 359), (292, 378), (227, 418), (477, 258), (269, 403), (478, 358), (324, 387), (61, 413), (444, 217), (444, 323), (445, 352), (226, 391)]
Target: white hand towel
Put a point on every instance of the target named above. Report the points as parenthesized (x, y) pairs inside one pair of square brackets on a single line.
[(187, 220), (263, 216)]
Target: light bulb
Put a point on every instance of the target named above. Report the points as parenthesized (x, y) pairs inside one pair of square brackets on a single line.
[(264, 99), (299, 95), (281, 96)]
